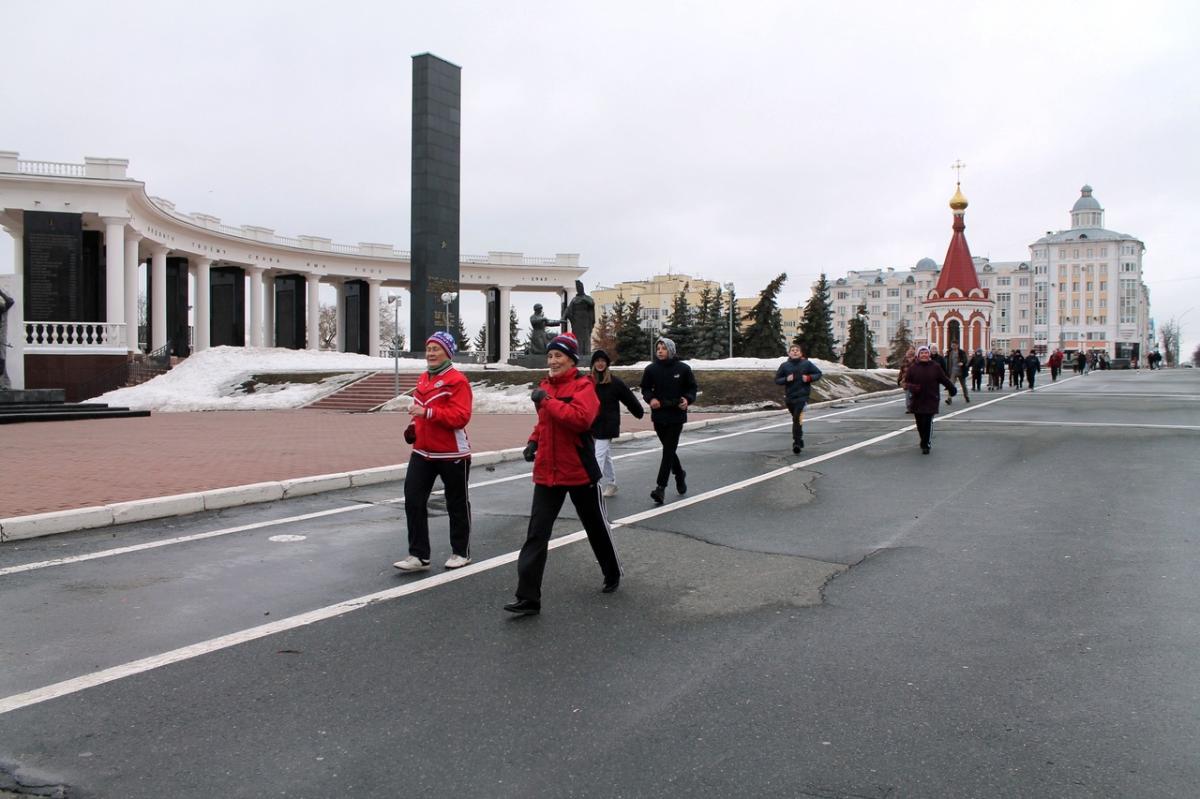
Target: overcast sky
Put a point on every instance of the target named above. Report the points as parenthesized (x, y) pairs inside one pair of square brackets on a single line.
[(724, 140)]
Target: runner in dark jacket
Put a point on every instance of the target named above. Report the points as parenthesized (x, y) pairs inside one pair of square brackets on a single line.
[(797, 375), (1033, 365), (668, 387), (924, 380), (564, 464), (976, 365), (612, 392)]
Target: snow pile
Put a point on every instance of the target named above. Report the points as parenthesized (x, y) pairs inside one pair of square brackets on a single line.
[(217, 379)]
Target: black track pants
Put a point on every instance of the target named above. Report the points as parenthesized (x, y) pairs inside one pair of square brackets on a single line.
[(668, 434), (797, 411), (547, 502), (924, 427), (418, 483)]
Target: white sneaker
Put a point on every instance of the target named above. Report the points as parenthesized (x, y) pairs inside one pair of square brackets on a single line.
[(609, 490), (457, 562), (412, 564)]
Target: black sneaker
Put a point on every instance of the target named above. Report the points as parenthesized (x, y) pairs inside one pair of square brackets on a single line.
[(524, 607), (924, 449), (658, 494), (610, 585), (796, 449), (681, 482)]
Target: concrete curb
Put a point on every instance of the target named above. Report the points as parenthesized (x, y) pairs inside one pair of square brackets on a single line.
[(17, 528)]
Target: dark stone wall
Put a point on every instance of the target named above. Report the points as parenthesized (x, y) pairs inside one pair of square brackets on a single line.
[(69, 372), (434, 243)]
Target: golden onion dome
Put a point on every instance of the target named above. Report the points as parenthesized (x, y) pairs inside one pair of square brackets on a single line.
[(958, 202)]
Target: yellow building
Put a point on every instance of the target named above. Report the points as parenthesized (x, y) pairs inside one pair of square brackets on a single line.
[(658, 295)]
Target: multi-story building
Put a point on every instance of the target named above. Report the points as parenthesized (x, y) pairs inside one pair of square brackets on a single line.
[(1081, 288)]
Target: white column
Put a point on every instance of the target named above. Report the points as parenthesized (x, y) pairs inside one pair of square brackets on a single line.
[(269, 309), (313, 306), (131, 290), (373, 317), (114, 269), (158, 298), (340, 344), (256, 305), (502, 307), (202, 307)]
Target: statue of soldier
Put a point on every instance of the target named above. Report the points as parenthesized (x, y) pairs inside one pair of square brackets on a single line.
[(537, 333), (581, 313), (6, 302)]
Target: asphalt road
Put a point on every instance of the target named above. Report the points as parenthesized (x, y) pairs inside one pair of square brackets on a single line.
[(1014, 615)]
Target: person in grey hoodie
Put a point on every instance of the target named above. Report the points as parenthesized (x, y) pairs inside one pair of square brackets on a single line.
[(797, 375)]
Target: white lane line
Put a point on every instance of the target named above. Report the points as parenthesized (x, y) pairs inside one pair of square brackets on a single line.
[(1101, 394), (76, 684), (166, 542), (108, 553)]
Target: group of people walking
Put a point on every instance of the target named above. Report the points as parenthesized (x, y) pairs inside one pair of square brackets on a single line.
[(579, 415)]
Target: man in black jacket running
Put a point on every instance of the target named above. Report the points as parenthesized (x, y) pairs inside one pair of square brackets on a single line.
[(669, 387)]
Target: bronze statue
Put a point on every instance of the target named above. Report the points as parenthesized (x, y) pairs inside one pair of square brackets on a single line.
[(537, 333), (581, 314)]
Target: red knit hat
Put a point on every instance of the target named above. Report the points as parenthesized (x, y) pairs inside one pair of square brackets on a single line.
[(566, 343)]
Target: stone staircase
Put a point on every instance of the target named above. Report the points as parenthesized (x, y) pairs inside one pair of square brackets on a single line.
[(47, 405), (367, 393)]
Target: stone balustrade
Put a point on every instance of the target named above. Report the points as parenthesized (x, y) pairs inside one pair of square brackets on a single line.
[(80, 335)]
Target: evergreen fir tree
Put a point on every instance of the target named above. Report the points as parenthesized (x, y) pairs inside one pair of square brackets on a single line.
[(633, 343), (514, 331), (480, 343), (739, 320), (852, 355), (702, 323), (901, 343), (461, 339), (680, 328), (764, 337), (816, 327), (619, 312), (604, 337)]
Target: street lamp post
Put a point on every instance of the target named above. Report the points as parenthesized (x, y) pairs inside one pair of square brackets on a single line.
[(448, 297), (729, 288), (394, 300)]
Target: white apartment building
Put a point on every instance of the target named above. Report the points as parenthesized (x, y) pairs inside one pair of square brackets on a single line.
[(1081, 288)]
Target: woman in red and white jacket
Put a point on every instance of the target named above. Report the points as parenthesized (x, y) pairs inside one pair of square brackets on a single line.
[(440, 412), (564, 464)]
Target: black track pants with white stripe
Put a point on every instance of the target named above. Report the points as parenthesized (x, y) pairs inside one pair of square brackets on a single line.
[(418, 484), (547, 502)]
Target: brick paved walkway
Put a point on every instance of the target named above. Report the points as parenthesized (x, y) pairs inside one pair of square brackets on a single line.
[(48, 466)]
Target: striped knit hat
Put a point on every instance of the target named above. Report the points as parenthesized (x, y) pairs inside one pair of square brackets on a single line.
[(445, 341), (566, 343)]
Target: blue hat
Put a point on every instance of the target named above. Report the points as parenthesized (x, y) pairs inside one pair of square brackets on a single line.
[(567, 344), (445, 341)]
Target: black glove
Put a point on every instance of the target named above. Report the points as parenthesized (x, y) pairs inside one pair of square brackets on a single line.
[(639, 413), (537, 396), (530, 451), (410, 434)]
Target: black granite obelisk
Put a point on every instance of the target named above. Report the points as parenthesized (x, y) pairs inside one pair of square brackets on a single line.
[(436, 112)]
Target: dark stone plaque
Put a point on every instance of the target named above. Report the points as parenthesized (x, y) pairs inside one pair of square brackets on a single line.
[(436, 111), (357, 320), (228, 306), (53, 264), (290, 318)]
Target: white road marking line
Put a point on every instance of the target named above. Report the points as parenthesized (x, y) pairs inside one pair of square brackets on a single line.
[(166, 542), (76, 684), (108, 553)]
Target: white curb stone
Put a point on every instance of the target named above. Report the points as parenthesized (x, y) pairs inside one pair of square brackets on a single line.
[(303, 486), (218, 498), (140, 510), (61, 521)]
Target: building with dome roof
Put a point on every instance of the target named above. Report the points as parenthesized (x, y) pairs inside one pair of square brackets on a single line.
[(1089, 291), (1081, 288)]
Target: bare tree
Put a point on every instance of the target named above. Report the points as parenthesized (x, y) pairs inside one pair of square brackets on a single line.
[(1170, 341), (327, 326)]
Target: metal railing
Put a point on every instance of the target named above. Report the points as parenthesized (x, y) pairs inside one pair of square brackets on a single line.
[(131, 373)]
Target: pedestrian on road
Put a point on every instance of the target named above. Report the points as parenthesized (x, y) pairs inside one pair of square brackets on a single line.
[(977, 364), (924, 378), (440, 412), (940, 360), (796, 375), (564, 464), (1080, 363), (956, 361), (1033, 365), (668, 387), (612, 392), (1016, 369), (1055, 362)]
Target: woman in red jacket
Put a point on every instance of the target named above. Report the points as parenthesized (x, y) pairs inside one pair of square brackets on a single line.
[(440, 411), (564, 463)]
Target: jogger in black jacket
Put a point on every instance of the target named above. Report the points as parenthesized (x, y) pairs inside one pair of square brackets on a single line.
[(612, 392), (669, 387)]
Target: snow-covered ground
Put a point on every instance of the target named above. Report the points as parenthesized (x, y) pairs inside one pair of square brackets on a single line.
[(215, 380)]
